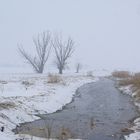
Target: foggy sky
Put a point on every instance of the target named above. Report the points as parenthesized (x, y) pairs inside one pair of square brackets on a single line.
[(106, 32)]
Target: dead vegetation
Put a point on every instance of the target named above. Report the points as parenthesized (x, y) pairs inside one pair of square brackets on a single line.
[(134, 81), (54, 78), (3, 82), (121, 74), (27, 83), (126, 131), (7, 105), (89, 74), (92, 123), (127, 78), (65, 134)]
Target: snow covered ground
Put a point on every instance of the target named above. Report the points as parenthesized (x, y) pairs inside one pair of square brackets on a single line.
[(136, 126), (24, 95)]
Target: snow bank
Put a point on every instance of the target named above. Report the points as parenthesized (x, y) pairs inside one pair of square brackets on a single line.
[(136, 126)]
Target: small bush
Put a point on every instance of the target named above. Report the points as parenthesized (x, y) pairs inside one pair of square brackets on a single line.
[(125, 82), (137, 95), (137, 75), (27, 83), (121, 74), (3, 82), (65, 134), (134, 80), (54, 78), (90, 74), (7, 105)]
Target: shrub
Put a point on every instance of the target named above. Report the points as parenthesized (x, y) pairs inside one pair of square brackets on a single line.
[(65, 134), (7, 105), (121, 74), (26, 83), (90, 74), (134, 80), (54, 78), (3, 82), (137, 74)]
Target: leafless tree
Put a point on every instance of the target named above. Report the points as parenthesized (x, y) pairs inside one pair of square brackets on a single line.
[(42, 48), (78, 67), (63, 51)]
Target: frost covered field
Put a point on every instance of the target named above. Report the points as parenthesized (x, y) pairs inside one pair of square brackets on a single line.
[(24, 95)]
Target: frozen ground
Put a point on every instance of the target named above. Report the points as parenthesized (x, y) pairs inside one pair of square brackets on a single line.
[(24, 95), (136, 127)]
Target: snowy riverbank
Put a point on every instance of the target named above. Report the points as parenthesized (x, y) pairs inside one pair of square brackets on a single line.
[(24, 95), (136, 126)]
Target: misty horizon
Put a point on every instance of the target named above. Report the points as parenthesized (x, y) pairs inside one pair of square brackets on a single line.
[(106, 33)]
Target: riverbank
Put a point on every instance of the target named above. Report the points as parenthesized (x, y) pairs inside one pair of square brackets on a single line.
[(136, 124), (23, 96)]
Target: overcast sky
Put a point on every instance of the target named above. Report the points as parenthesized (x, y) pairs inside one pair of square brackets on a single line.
[(106, 32)]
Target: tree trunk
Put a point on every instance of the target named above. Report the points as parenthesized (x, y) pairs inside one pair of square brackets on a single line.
[(77, 70), (41, 69), (60, 71)]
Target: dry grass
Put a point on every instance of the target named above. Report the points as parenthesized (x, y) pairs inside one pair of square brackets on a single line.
[(133, 80), (90, 74), (54, 78), (137, 95), (7, 105), (65, 134), (26, 83), (3, 82), (121, 74)]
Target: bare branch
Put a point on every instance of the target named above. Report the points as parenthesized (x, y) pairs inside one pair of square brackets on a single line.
[(43, 48), (63, 50)]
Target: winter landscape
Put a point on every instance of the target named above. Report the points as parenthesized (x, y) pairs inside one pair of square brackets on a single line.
[(69, 70)]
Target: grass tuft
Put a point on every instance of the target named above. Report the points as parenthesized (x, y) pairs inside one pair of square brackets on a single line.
[(7, 105), (134, 81), (54, 78), (121, 74)]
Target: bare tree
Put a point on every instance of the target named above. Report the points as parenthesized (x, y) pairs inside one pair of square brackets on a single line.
[(42, 48), (63, 51), (78, 67)]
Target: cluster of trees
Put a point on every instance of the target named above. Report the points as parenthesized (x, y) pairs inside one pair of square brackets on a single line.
[(44, 43)]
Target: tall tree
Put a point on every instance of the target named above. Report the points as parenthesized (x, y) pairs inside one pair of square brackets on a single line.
[(42, 48), (63, 51)]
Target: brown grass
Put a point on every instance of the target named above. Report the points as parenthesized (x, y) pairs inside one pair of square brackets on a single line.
[(65, 134), (7, 105), (54, 78), (133, 80), (121, 74)]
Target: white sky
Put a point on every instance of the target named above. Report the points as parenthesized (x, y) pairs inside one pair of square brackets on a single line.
[(106, 32)]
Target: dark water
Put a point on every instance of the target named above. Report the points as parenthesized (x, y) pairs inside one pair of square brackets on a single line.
[(99, 112)]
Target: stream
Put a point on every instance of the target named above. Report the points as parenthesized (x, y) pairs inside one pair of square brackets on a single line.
[(99, 111)]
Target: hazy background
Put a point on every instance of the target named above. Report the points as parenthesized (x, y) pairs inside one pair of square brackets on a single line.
[(106, 32)]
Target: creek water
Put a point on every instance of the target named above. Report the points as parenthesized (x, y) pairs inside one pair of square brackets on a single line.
[(98, 112)]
